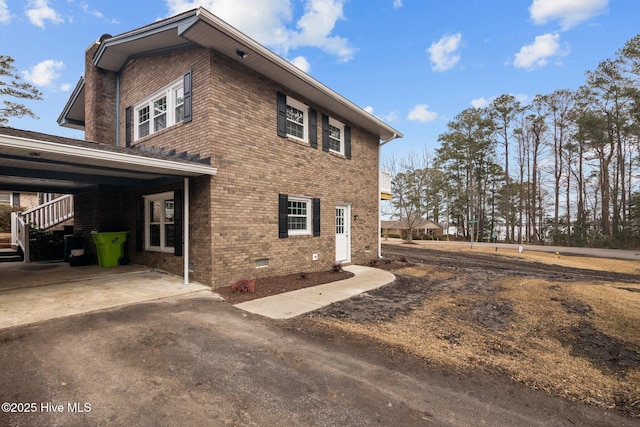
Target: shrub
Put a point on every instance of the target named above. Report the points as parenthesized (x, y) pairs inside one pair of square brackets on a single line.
[(5, 217), (337, 267), (304, 275), (374, 262), (244, 285)]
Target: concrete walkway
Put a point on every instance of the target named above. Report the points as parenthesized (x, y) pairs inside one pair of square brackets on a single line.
[(295, 303)]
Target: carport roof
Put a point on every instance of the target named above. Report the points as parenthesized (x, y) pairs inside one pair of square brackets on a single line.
[(33, 162)]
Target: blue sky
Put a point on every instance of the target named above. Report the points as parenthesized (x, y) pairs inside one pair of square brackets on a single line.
[(413, 63)]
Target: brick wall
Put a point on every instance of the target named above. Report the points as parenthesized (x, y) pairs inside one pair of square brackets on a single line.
[(234, 215), (100, 101)]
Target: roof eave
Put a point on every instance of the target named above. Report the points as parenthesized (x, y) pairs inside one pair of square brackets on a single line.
[(77, 95)]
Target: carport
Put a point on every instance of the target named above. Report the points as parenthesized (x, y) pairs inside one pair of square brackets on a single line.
[(36, 162)]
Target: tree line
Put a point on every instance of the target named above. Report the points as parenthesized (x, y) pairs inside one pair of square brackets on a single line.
[(562, 169)]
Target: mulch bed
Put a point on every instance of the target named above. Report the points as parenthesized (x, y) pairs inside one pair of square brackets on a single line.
[(278, 284)]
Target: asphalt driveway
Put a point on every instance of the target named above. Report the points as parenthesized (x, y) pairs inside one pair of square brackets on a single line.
[(196, 360)]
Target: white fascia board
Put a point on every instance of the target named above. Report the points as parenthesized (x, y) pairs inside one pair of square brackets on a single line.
[(107, 158)]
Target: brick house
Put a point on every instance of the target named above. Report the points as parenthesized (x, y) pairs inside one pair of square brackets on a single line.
[(294, 184)]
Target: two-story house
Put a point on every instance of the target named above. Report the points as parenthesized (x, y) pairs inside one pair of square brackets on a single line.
[(293, 183)]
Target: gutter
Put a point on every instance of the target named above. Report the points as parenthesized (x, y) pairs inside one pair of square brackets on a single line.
[(394, 136)]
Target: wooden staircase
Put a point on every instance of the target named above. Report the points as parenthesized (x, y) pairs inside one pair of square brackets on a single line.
[(7, 253), (56, 212)]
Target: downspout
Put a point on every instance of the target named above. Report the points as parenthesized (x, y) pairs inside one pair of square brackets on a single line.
[(117, 109), (186, 230), (394, 136)]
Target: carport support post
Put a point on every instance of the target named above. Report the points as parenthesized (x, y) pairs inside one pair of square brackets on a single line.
[(185, 215)]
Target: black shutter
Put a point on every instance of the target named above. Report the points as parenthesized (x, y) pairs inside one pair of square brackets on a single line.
[(283, 211), (140, 224), (188, 102), (316, 217), (347, 142), (282, 114), (128, 117), (325, 132), (178, 208), (313, 128)]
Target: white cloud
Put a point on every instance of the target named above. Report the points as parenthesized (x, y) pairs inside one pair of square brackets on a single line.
[(537, 54), (444, 53), (481, 102), (302, 63), (5, 15), (422, 114), (39, 11), (389, 118), (65, 87), (85, 8), (397, 4), (270, 22), (44, 73), (568, 12)]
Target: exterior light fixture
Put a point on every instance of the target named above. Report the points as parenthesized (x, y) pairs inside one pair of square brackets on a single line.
[(241, 54)]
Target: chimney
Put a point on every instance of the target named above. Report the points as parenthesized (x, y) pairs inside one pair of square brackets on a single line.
[(100, 99)]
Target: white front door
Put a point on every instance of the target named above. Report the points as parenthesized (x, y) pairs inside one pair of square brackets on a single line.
[(343, 233)]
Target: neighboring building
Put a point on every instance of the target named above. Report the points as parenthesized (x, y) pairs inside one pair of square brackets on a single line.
[(420, 229), (19, 200), (288, 178)]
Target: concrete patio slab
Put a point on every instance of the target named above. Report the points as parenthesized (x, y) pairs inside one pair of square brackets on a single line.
[(295, 303), (70, 292)]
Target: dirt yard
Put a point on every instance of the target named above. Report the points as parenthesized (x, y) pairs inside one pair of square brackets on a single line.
[(566, 325)]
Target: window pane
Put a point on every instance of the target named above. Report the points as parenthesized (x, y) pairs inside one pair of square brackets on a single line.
[(295, 122), (297, 215), (297, 223), (154, 210), (143, 114), (143, 122), (143, 130), (160, 114), (154, 235), (169, 235), (339, 221), (160, 122), (334, 138), (160, 106), (168, 210), (179, 113)]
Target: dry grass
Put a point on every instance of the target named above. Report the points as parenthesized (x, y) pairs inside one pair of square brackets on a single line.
[(549, 335)]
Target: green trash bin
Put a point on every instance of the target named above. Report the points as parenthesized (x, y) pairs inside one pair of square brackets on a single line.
[(110, 247)]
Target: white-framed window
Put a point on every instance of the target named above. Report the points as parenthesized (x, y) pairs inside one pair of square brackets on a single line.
[(5, 198), (161, 110), (297, 119), (160, 229), (336, 136), (298, 215)]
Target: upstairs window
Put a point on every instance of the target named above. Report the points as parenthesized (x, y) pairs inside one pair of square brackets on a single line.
[(297, 119), (336, 136), (165, 108)]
